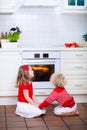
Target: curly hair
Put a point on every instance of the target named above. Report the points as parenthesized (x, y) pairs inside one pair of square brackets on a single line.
[(58, 80)]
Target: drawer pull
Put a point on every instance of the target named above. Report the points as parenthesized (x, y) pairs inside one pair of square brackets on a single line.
[(79, 85), (79, 67), (80, 55), (42, 92)]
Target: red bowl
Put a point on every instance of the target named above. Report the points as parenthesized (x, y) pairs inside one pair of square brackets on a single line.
[(68, 44)]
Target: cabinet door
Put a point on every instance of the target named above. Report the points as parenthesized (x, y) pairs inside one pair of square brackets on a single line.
[(74, 54), (74, 66), (9, 64), (75, 6), (77, 86), (7, 6), (51, 3)]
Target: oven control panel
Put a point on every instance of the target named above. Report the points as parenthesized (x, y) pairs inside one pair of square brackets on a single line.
[(35, 55), (45, 55)]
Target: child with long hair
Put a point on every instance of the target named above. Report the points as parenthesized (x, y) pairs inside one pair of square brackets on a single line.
[(27, 104), (67, 105)]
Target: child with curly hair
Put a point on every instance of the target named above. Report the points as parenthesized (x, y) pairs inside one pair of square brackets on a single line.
[(67, 105), (27, 104)]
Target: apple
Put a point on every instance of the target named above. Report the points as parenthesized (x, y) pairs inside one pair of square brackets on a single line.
[(74, 44)]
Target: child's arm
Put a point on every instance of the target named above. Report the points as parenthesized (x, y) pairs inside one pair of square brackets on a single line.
[(48, 100), (44, 104), (35, 100), (26, 95)]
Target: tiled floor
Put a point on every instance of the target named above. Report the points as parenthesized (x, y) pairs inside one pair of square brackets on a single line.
[(10, 121)]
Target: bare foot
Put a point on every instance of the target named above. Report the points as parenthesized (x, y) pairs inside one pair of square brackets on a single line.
[(74, 113)]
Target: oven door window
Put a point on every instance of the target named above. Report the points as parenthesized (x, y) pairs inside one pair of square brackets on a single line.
[(42, 72)]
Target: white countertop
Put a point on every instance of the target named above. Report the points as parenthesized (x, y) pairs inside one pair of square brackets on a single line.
[(56, 48), (52, 48)]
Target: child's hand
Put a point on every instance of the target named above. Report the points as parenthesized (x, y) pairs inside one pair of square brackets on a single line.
[(37, 105)]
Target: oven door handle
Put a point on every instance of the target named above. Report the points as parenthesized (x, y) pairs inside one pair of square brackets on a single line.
[(39, 61)]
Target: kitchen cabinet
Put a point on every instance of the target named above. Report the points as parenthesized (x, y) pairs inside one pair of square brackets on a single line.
[(74, 66), (75, 6), (7, 6), (9, 64), (44, 3), (10, 6), (72, 62)]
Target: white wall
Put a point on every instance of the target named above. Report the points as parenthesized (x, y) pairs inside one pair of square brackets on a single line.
[(45, 26)]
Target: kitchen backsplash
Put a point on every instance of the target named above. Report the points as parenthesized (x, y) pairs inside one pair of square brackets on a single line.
[(45, 26)]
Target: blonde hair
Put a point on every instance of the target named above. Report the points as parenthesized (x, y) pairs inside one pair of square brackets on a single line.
[(23, 76), (58, 80)]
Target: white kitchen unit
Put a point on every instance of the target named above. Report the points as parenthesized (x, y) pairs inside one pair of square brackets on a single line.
[(74, 6), (70, 61), (10, 6), (7, 6), (9, 64), (43, 3), (74, 66)]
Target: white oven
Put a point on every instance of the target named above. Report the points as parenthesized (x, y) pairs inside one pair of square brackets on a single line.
[(44, 63)]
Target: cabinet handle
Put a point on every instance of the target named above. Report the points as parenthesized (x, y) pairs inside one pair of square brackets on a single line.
[(78, 85), (42, 92), (80, 55), (20, 53), (78, 67)]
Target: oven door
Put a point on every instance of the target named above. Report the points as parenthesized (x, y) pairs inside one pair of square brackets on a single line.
[(43, 69)]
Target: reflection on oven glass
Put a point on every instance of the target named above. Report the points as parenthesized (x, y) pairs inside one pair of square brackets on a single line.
[(42, 72)]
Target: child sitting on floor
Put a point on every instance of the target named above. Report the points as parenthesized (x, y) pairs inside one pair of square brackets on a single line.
[(67, 105), (27, 104)]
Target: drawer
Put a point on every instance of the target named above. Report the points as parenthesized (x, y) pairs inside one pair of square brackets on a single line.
[(74, 54), (72, 61), (76, 76), (77, 86), (77, 92), (42, 91), (74, 68)]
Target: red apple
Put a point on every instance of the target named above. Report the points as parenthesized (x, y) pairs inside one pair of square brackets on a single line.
[(74, 44)]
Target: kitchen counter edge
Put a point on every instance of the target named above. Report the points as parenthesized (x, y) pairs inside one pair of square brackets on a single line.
[(42, 49)]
